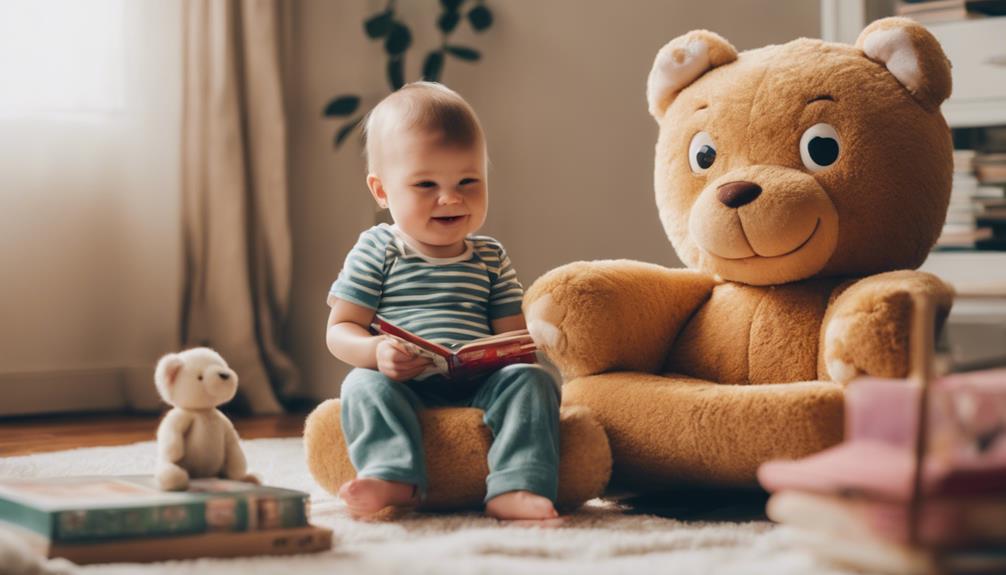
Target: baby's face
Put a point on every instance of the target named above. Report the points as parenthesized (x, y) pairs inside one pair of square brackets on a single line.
[(437, 194)]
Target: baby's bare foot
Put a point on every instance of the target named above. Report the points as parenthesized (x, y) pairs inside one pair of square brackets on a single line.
[(366, 496), (521, 506)]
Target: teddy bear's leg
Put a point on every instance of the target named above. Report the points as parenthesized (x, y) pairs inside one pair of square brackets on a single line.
[(456, 445), (171, 477), (667, 430)]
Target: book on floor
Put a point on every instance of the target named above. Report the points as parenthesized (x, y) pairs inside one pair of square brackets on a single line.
[(98, 509), (294, 540), (475, 358)]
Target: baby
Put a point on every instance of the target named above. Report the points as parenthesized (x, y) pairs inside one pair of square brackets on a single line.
[(427, 159)]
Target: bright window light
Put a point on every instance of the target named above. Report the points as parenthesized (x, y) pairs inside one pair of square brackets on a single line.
[(62, 56)]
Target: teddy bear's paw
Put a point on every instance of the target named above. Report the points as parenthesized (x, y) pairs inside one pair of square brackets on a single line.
[(842, 372), (251, 478), (171, 477), (543, 319), (840, 369)]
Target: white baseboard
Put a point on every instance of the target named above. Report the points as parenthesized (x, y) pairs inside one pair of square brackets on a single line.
[(78, 390)]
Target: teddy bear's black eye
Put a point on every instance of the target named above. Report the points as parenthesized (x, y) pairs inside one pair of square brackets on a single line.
[(705, 157), (701, 152), (819, 147), (200, 378)]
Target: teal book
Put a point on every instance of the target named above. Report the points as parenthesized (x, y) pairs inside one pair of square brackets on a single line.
[(88, 509)]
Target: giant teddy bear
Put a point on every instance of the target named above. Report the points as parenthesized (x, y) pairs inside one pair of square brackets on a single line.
[(799, 183)]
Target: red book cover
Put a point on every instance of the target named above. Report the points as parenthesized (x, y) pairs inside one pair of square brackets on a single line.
[(476, 358)]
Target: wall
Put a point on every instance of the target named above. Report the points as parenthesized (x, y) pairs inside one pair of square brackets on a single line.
[(561, 94), (89, 235)]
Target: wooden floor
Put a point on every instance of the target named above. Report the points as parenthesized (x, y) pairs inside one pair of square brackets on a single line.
[(22, 436)]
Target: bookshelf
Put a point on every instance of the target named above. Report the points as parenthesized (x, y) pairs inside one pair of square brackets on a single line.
[(975, 46)]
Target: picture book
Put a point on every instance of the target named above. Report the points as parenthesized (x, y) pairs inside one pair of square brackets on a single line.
[(475, 358), (89, 509)]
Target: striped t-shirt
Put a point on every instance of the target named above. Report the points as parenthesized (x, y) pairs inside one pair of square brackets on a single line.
[(449, 301)]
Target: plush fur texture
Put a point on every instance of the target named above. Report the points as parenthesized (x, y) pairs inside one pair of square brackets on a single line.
[(457, 443), (794, 288), (194, 439)]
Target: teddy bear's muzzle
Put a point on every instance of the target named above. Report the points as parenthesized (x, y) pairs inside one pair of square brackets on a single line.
[(781, 218)]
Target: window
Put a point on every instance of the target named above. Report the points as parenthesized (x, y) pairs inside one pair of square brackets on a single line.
[(62, 56)]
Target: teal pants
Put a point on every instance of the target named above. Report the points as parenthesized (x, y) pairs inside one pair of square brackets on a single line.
[(521, 405)]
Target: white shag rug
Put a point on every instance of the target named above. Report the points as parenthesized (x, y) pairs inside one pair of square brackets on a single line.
[(599, 538)]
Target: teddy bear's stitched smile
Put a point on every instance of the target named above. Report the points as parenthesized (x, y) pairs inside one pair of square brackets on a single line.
[(817, 224)]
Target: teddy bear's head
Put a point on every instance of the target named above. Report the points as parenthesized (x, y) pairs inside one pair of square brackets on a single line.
[(807, 159), (196, 378)]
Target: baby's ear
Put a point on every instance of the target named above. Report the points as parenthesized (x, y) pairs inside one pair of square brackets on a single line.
[(377, 190), (912, 55), (681, 62), (166, 374)]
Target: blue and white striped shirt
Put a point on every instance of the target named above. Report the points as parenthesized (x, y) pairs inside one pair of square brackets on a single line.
[(449, 301)]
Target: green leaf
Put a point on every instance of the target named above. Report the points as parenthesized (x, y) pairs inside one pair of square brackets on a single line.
[(464, 53), (433, 65), (448, 21), (346, 130), (379, 25), (342, 106), (396, 73), (398, 40), (451, 5), (480, 18)]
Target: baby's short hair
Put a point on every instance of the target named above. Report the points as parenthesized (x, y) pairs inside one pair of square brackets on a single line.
[(428, 107)]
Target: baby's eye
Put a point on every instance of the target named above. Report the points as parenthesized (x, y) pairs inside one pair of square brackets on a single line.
[(426, 184), (468, 181)]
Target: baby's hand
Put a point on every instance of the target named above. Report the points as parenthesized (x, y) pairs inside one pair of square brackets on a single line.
[(397, 362)]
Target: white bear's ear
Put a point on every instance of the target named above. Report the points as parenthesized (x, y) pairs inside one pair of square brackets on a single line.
[(167, 369), (681, 62), (912, 55)]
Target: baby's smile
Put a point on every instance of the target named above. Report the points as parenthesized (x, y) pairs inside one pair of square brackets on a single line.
[(449, 219)]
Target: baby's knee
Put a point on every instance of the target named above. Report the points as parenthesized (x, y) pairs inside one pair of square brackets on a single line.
[(532, 378), (366, 385)]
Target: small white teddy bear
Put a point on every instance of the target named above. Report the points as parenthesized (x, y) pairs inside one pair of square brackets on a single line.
[(194, 439)]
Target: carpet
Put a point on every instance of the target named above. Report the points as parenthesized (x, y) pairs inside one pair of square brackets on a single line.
[(602, 537)]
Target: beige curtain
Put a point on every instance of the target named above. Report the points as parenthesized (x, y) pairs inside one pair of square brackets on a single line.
[(234, 180)]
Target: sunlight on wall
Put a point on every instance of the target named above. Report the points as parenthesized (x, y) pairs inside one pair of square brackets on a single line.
[(62, 56)]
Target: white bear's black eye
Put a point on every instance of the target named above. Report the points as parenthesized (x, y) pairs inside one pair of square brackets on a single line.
[(819, 147), (200, 378), (701, 152)]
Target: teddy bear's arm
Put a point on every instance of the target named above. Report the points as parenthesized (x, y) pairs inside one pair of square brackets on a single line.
[(591, 317), (171, 434), (866, 326), (235, 465)]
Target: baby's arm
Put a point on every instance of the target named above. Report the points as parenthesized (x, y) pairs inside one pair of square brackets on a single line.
[(509, 323), (349, 340)]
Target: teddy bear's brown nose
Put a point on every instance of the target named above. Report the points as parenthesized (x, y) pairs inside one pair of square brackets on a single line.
[(737, 194)]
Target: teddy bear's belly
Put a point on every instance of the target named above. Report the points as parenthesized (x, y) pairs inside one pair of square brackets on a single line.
[(750, 334), (204, 448)]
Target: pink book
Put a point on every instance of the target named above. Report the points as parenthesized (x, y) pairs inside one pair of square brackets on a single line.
[(966, 453)]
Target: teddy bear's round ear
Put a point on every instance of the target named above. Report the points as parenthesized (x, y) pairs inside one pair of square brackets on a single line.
[(912, 55), (168, 368), (680, 62)]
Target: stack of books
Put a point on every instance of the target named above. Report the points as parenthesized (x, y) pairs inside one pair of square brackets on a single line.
[(861, 502), (990, 200), (960, 229), (128, 519)]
